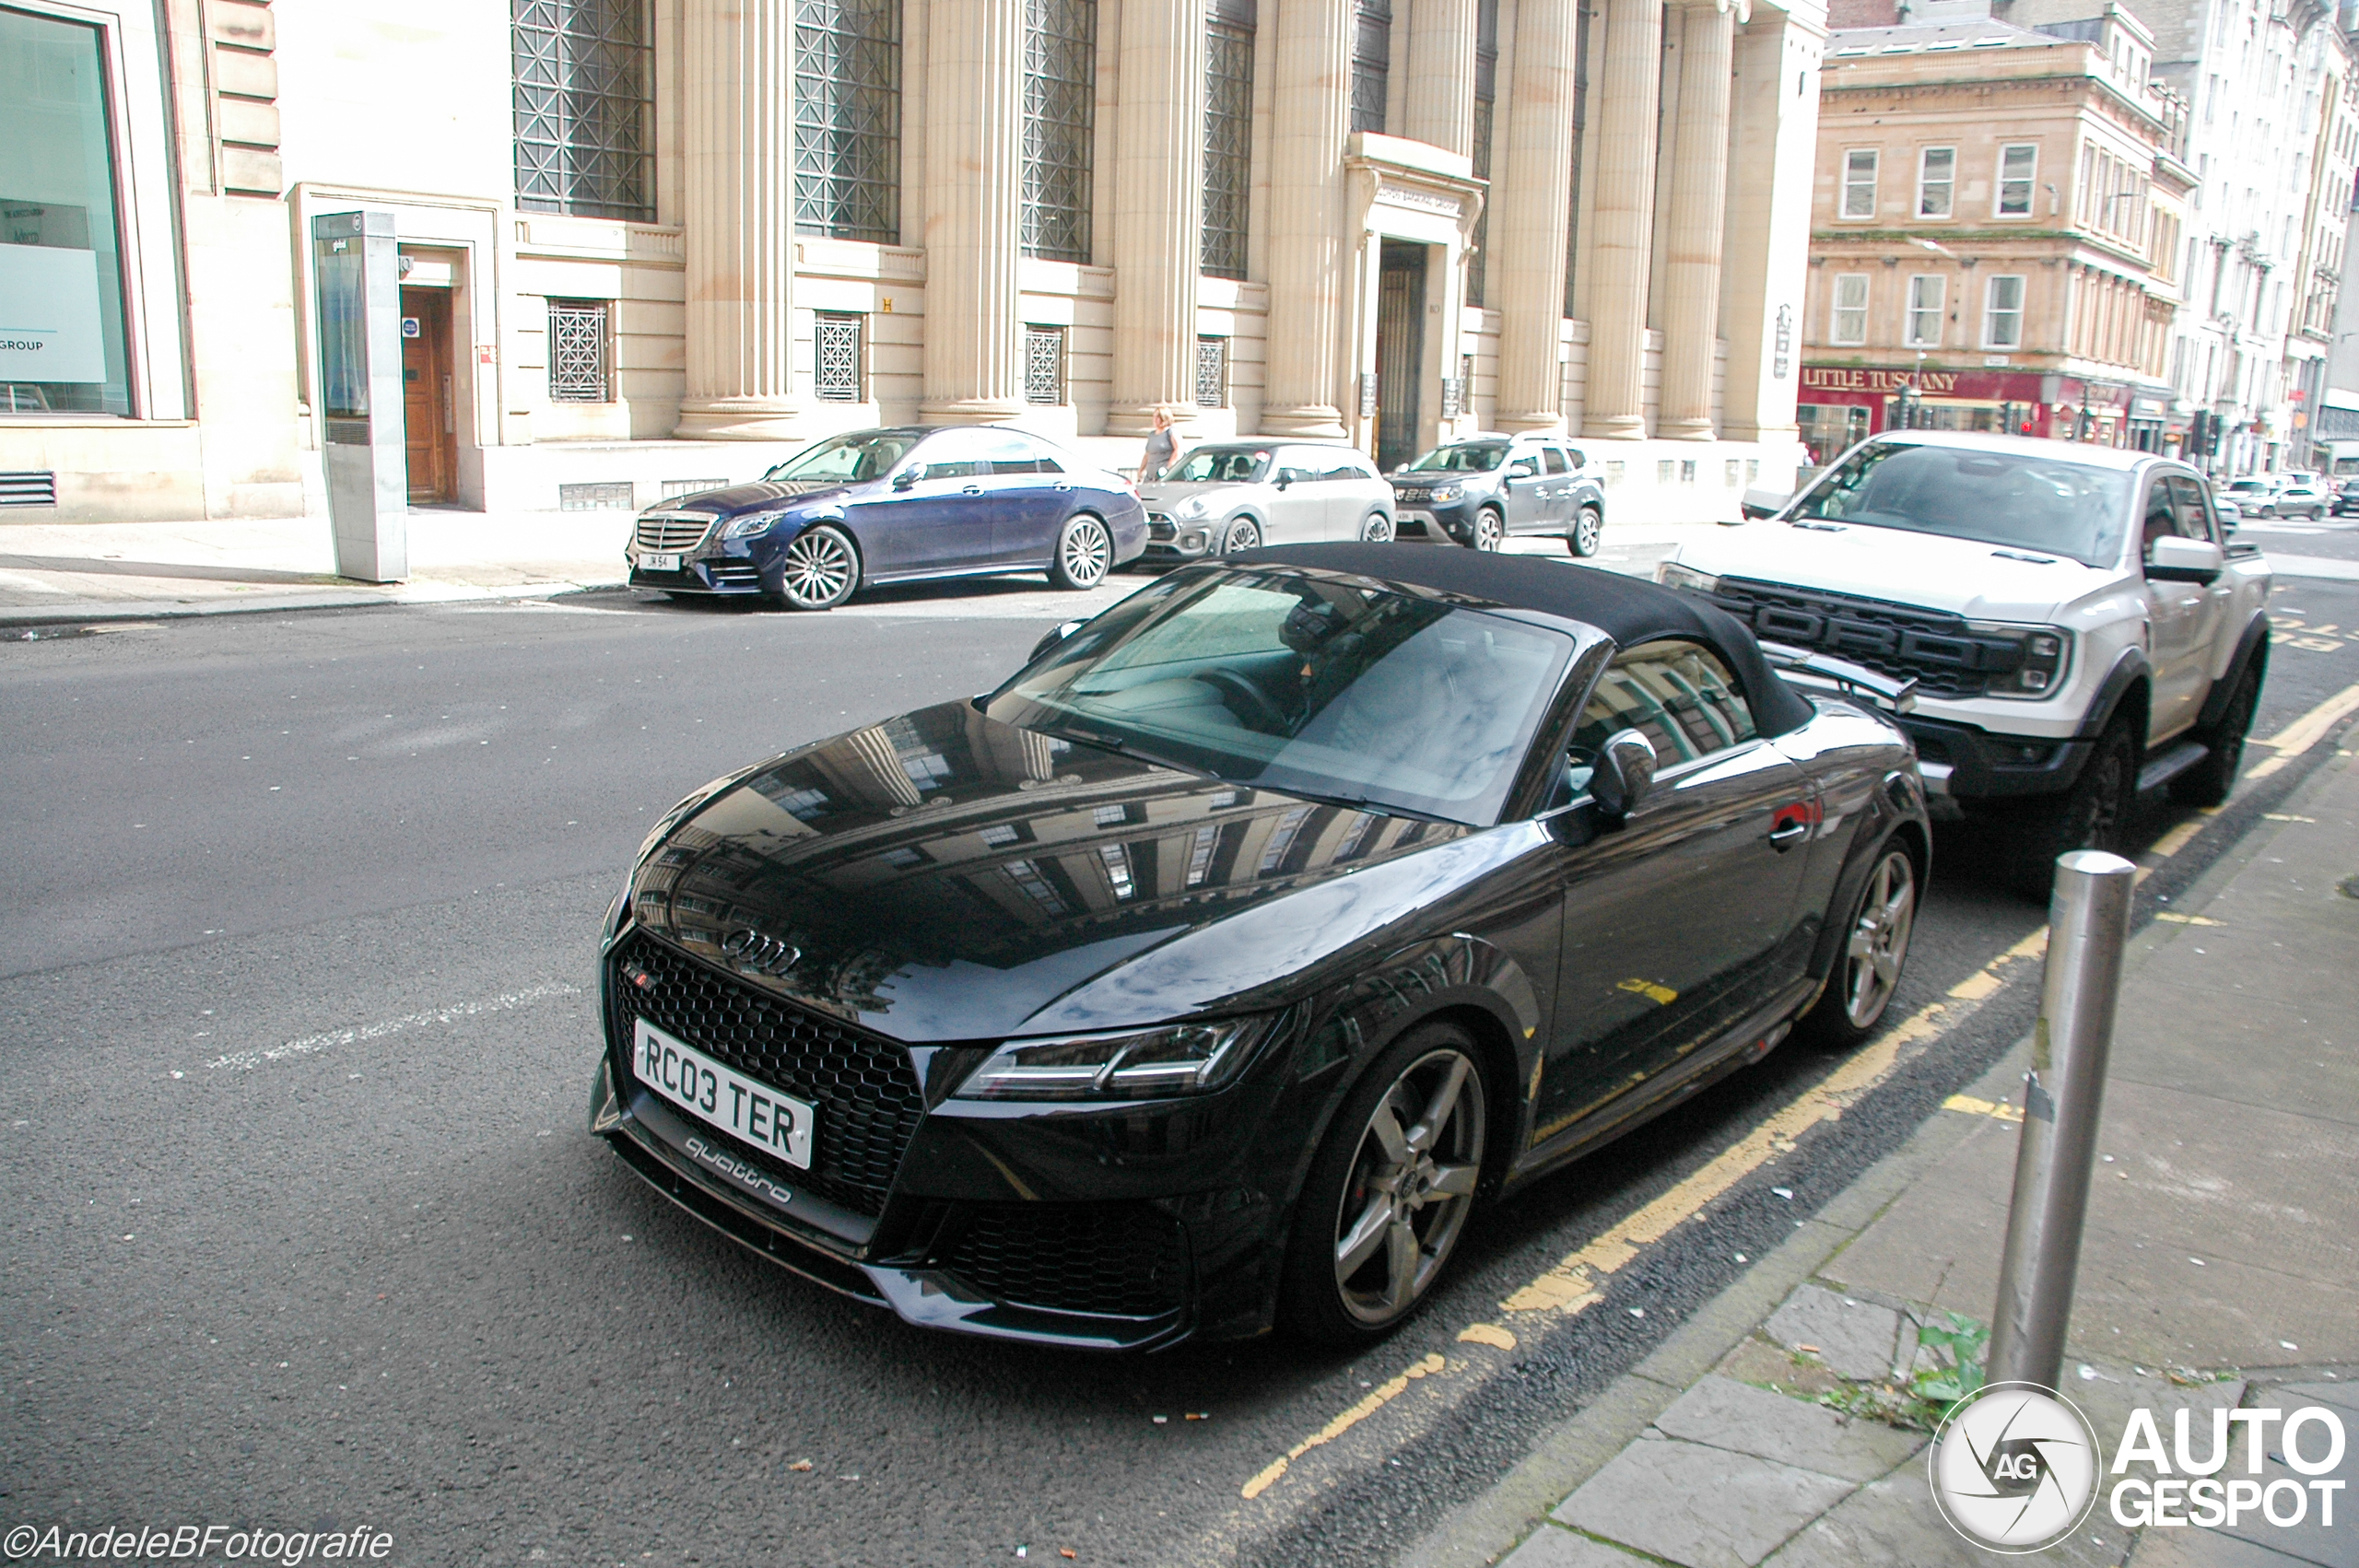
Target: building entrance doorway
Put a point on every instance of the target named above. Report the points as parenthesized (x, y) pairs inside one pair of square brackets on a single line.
[(1400, 350), (430, 421)]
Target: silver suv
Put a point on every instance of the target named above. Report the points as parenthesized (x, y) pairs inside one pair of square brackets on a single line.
[(1479, 490)]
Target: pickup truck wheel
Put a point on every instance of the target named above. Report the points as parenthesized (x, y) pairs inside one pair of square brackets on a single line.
[(1587, 529), (1867, 967), (2088, 817), (2209, 781)]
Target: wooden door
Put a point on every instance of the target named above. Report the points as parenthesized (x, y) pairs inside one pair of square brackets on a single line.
[(431, 418)]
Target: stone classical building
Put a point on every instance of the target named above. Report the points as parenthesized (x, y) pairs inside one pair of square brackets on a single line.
[(650, 244), (1997, 239)]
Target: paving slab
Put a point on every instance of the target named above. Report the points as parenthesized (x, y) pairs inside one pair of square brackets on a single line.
[(1721, 1413), (2205, 1548), (1857, 1338), (1700, 1507), (1550, 1547), (1893, 1523)]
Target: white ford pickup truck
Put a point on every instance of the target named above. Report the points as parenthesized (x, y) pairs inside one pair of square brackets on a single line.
[(2077, 625)]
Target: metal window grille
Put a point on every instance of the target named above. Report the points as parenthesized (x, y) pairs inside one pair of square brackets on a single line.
[(1486, 77), (1060, 125), (1211, 372), (1228, 145), (1044, 365), (578, 359), (837, 357), (848, 119), (584, 71), (1371, 62)]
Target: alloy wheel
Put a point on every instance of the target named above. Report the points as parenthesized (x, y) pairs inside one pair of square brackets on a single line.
[(1879, 940), (1376, 530), (1085, 555), (817, 570), (1412, 1182), (1588, 526), (1243, 534), (1488, 530)]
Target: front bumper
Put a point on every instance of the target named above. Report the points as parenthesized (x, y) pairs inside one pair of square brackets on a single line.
[(1177, 539), (724, 572), (1964, 761), (1420, 522), (1090, 1228)]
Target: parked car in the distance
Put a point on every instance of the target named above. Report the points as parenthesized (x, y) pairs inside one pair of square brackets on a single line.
[(1479, 490), (889, 506), (2302, 500), (1231, 496), (2346, 502)]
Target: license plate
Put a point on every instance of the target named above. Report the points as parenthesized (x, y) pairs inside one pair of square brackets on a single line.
[(659, 561), (778, 1125)]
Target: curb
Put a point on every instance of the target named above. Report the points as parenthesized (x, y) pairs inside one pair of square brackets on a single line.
[(1486, 1529), (103, 612)]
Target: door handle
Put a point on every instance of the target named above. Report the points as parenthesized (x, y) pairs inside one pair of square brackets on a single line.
[(970, 490), (1784, 839), (1063, 486)]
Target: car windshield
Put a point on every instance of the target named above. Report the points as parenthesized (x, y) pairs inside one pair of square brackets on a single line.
[(1320, 687), (2248, 487), (1466, 457), (1221, 466), (845, 460), (2011, 499)]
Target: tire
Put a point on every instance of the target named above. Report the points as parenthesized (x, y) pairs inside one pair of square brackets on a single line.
[(1380, 1214), (1875, 945), (1588, 528), (1489, 529), (818, 569), (1242, 534), (2088, 817), (2209, 782), (1085, 553), (1376, 530)]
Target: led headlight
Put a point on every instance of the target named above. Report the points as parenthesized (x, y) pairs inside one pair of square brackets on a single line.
[(1671, 574), (1444, 494), (745, 527), (1182, 1059), (2040, 674), (1193, 507)]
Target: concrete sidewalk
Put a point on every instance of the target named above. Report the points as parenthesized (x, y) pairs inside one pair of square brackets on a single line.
[(2220, 1265), (61, 574)]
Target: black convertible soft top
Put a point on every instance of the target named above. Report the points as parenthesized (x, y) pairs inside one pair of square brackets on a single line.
[(1627, 609)]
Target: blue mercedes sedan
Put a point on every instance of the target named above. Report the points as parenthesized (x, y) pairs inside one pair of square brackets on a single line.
[(892, 506)]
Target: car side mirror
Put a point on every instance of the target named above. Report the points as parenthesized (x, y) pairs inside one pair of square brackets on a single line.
[(1765, 502), (1625, 772), (1055, 636), (905, 480), (1283, 480), (2174, 559)]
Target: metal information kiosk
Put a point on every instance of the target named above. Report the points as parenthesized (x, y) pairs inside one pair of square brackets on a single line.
[(357, 262)]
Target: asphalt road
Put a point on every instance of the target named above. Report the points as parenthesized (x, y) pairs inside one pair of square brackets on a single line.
[(296, 936)]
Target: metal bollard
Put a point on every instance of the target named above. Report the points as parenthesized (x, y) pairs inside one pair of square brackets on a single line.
[(2088, 926)]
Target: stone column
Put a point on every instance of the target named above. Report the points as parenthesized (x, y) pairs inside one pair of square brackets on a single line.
[(1440, 106), (1627, 92), (974, 163), (1532, 210), (1764, 259), (737, 218), (1158, 211), (1691, 291), (1311, 256)]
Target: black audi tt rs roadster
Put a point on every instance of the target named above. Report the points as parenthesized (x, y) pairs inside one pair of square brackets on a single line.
[(1200, 978)]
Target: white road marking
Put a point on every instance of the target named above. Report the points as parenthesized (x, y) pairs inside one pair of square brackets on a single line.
[(246, 1061)]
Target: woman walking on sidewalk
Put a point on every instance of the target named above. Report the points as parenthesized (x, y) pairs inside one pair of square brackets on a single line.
[(1162, 446)]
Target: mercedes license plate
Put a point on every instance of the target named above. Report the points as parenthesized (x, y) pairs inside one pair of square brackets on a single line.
[(778, 1125), (659, 561)]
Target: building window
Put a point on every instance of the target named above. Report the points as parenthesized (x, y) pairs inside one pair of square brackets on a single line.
[(1211, 372), (583, 70), (1860, 182), (1371, 62), (61, 262), (838, 357), (1044, 365), (2018, 169), (1060, 125), (1849, 327), (578, 359), (2003, 312), (1926, 294), (848, 119), (1936, 181), (1486, 80), (1229, 137)]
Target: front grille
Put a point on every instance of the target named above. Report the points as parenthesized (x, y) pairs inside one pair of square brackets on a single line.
[(1412, 497), (1410, 528), (1160, 527), (868, 1096), (1122, 1259), (672, 531), (1939, 650)]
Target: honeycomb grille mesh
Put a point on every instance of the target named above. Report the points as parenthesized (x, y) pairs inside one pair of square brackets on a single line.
[(1125, 1259), (868, 1096)]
